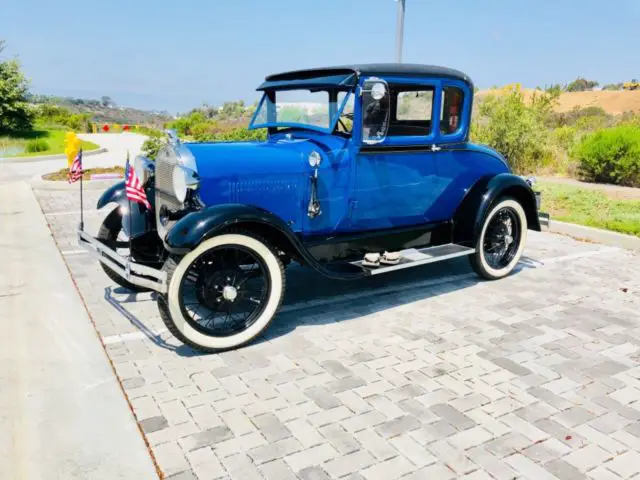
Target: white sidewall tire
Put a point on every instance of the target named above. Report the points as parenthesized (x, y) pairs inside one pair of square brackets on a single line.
[(503, 272), (273, 302)]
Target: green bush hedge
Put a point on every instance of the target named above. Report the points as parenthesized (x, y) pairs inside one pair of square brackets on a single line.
[(36, 145), (515, 126), (235, 135), (611, 155)]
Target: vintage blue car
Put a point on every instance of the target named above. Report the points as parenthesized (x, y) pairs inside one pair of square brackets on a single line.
[(367, 169)]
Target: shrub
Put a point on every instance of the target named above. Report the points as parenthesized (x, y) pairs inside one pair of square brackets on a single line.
[(235, 135), (152, 146), (592, 123), (565, 136), (515, 127), (611, 155), (576, 114), (56, 116), (184, 125), (149, 131), (581, 85), (36, 145)]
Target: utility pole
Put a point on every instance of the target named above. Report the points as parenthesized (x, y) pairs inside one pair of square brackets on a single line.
[(400, 30)]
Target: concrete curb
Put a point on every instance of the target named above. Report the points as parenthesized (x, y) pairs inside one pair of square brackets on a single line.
[(581, 232), (44, 158), (37, 183)]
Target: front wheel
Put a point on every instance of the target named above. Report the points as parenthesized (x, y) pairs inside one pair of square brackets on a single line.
[(111, 231), (224, 293), (501, 241)]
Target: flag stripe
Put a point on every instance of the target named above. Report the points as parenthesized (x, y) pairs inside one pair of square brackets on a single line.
[(75, 171), (134, 188)]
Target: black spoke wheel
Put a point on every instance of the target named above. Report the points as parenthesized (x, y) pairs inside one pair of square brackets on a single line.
[(224, 293), (502, 238), (224, 290), (500, 244)]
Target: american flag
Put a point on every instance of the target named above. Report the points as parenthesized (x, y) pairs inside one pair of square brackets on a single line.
[(133, 186), (75, 171)]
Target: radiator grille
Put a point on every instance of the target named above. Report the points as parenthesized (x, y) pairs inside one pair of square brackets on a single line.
[(166, 161)]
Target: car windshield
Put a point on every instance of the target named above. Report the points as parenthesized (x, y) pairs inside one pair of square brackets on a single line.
[(315, 109)]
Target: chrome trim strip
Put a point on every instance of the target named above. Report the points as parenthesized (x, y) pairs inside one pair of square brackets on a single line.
[(132, 272)]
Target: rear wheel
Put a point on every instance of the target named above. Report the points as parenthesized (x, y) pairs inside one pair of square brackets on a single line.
[(224, 293), (501, 240)]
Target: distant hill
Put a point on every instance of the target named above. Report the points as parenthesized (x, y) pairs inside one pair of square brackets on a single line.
[(105, 111), (612, 102)]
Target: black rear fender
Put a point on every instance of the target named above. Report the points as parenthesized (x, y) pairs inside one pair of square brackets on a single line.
[(470, 215)]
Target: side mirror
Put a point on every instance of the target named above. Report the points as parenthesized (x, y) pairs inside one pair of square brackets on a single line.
[(375, 110)]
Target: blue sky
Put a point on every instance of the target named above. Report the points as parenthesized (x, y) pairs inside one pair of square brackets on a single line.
[(176, 55)]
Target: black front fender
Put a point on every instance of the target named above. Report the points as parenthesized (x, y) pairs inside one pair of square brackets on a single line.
[(469, 217), (193, 229), (196, 227), (115, 193), (141, 221)]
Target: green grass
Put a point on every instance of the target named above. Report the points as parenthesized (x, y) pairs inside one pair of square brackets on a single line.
[(53, 138), (590, 207)]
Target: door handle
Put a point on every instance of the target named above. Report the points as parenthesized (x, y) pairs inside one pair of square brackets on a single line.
[(435, 148)]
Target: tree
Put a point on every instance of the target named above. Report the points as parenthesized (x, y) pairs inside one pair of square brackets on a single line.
[(613, 86), (106, 101), (581, 85), (15, 111)]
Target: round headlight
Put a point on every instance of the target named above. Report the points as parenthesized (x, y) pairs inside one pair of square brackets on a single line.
[(184, 179), (314, 159)]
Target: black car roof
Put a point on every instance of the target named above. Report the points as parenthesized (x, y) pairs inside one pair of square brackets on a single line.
[(400, 69)]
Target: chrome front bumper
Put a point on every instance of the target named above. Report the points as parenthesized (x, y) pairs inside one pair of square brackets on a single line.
[(543, 217), (132, 272)]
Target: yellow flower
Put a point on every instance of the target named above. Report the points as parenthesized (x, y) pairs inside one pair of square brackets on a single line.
[(72, 146)]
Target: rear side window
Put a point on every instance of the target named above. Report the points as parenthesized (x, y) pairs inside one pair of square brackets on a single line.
[(451, 110), (411, 111)]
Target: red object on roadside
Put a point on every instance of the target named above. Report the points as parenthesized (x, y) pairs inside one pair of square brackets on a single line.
[(105, 127), (125, 128)]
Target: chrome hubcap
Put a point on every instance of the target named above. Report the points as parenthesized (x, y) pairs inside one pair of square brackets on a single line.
[(229, 293)]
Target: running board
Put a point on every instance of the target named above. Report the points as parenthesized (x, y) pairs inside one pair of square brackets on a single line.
[(414, 257)]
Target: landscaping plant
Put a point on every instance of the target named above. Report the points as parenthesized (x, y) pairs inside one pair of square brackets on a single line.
[(610, 155)]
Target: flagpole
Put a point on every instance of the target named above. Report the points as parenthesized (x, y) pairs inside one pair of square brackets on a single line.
[(126, 178), (81, 194)]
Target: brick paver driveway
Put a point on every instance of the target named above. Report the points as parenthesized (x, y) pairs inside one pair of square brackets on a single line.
[(427, 374)]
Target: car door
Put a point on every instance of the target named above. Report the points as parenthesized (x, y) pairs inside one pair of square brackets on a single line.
[(395, 178)]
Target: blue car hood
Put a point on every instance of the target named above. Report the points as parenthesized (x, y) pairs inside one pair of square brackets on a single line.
[(254, 173)]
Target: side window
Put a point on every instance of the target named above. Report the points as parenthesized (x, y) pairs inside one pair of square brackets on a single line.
[(452, 101), (412, 111)]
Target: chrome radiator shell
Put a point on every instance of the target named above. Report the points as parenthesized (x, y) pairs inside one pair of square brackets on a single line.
[(169, 157)]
